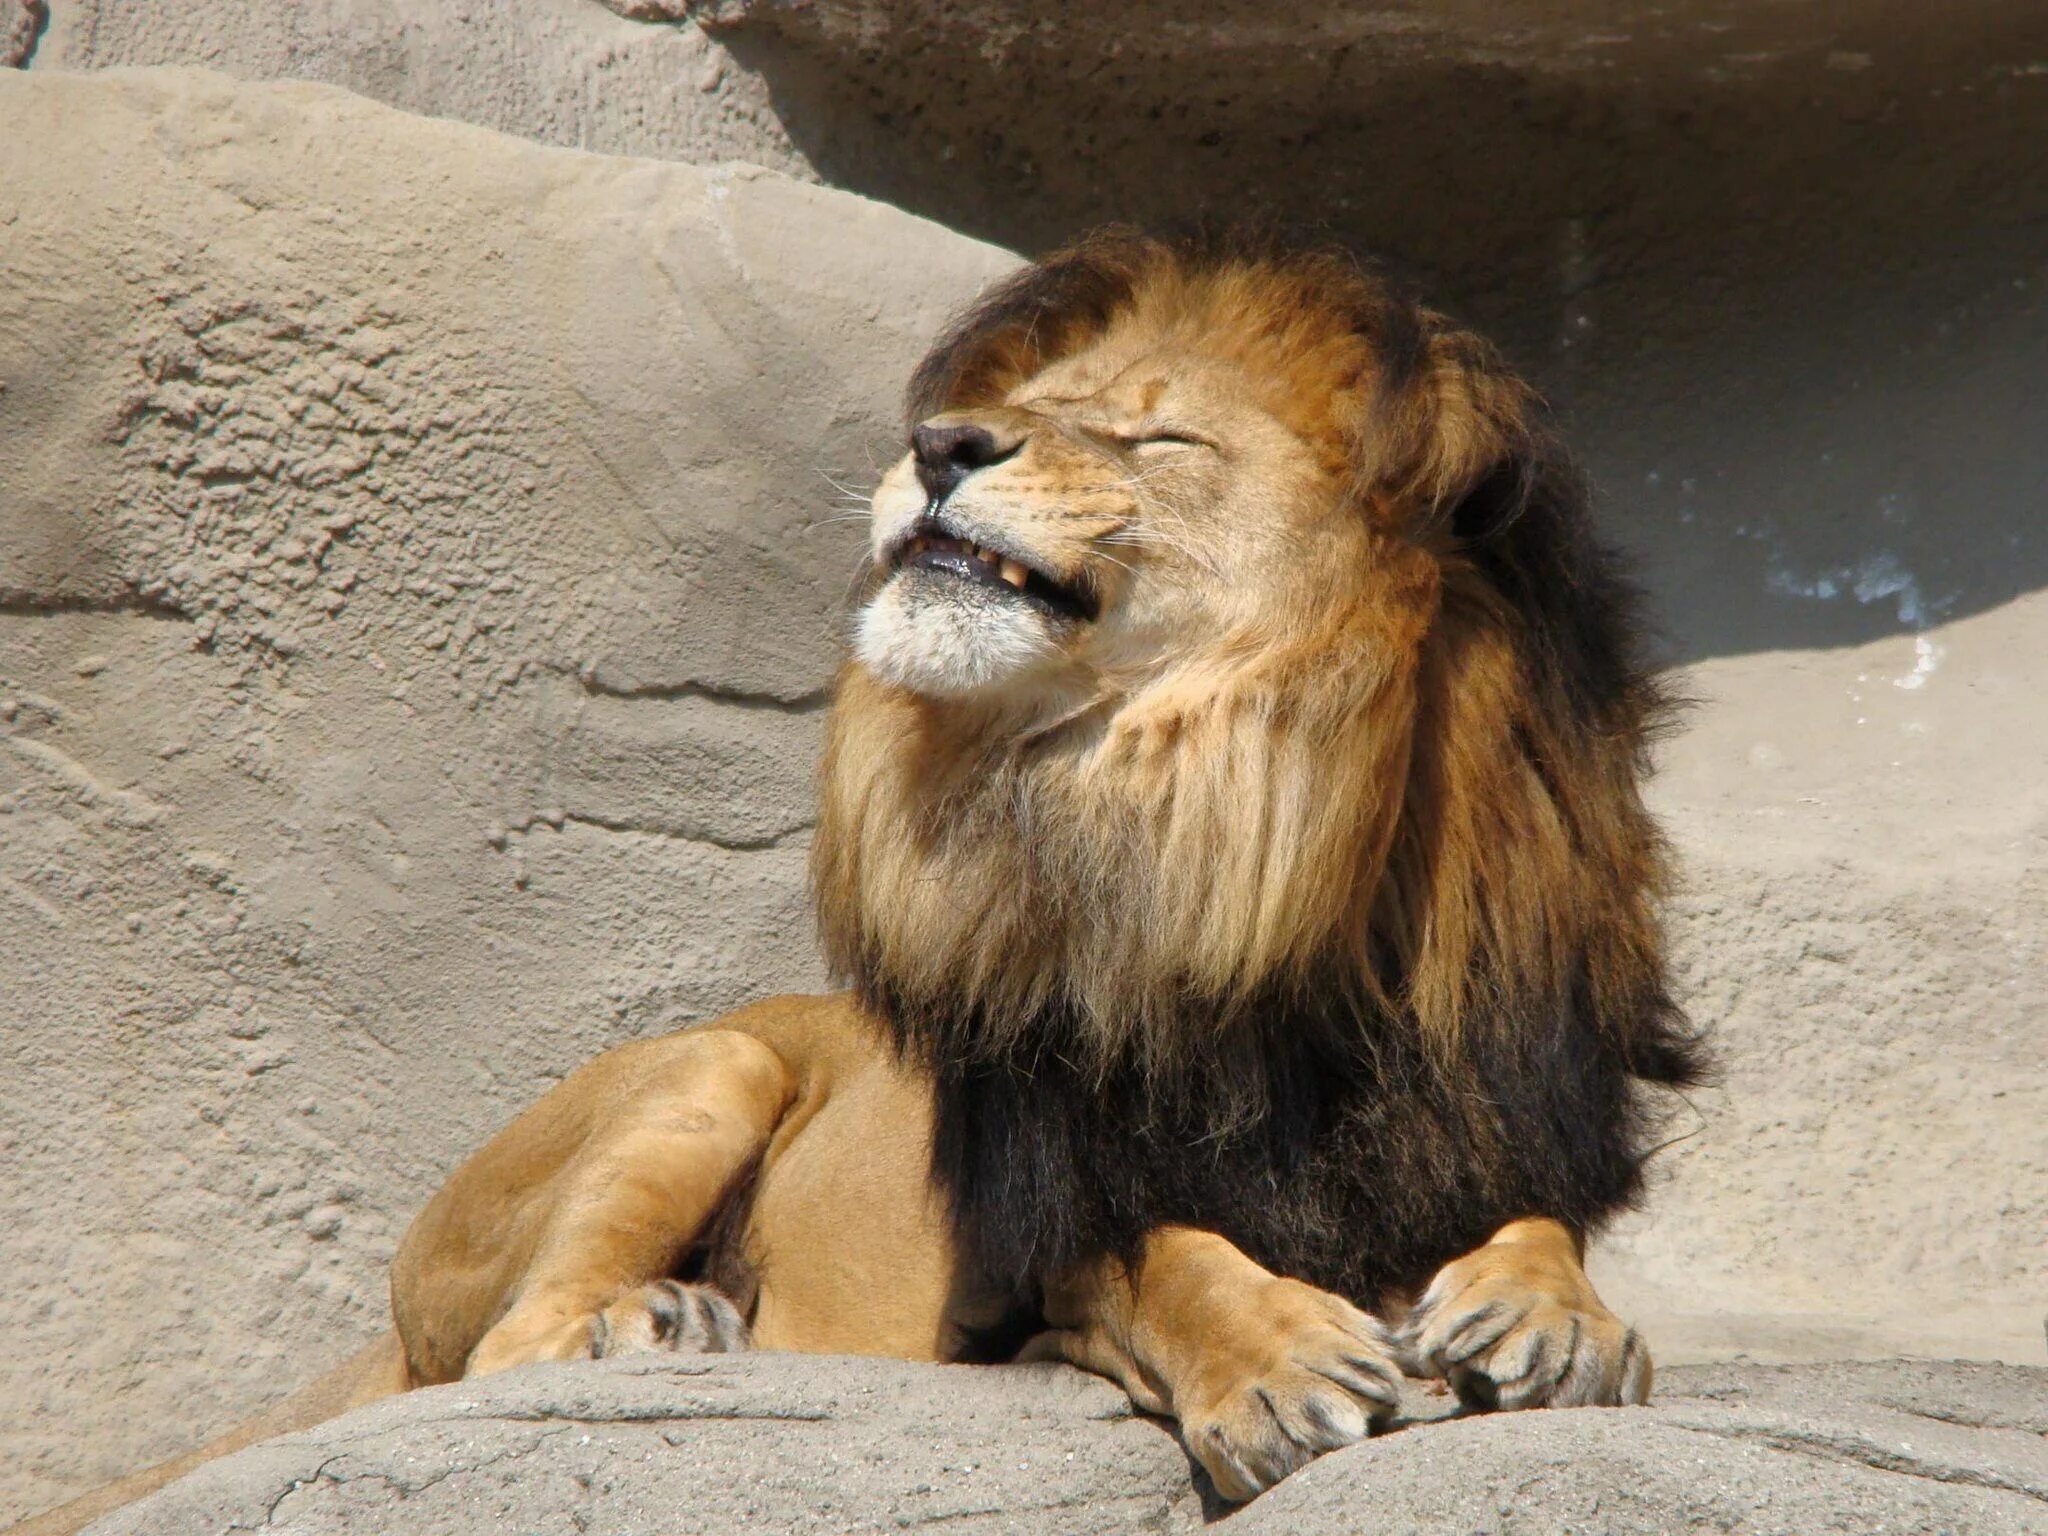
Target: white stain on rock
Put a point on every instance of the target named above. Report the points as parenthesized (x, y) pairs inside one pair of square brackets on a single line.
[(1876, 578), (1926, 657)]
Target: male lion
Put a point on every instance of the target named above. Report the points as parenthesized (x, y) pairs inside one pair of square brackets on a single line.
[(1230, 833)]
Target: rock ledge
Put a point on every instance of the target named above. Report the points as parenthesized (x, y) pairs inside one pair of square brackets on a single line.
[(788, 1443)]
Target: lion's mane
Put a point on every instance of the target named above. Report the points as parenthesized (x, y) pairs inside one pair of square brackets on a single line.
[(1347, 947)]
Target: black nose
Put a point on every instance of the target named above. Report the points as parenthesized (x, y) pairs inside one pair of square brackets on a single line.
[(949, 453)]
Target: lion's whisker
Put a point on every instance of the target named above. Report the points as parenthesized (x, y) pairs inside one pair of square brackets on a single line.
[(844, 489), (1112, 559), (861, 569), (1137, 479), (1142, 537)]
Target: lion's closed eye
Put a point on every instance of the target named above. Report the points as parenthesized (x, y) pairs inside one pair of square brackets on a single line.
[(1164, 437)]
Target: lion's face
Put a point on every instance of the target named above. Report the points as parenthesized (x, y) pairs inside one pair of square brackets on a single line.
[(1117, 513)]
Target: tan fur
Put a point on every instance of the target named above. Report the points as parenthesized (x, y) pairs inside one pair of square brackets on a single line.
[(1516, 1324), (602, 1186), (1298, 727)]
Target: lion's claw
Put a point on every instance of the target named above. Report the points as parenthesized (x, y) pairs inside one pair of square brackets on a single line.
[(666, 1315), (1329, 1378), (1502, 1342)]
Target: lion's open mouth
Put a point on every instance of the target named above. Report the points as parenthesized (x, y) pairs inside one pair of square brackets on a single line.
[(930, 547)]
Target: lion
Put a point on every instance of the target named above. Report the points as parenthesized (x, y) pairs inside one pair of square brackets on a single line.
[(1230, 839)]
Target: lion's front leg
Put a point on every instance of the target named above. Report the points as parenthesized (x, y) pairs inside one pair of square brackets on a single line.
[(557, 1241), (1262, 1372), (1516, 1324)]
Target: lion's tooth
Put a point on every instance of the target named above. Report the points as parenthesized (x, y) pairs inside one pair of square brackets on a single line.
[(1014, 573)]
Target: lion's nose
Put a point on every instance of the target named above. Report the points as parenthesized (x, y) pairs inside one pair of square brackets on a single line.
[(948, 452)]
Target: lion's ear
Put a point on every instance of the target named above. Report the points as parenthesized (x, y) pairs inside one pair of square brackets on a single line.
[(1496, 485), (1477, 454), (1497, 500)]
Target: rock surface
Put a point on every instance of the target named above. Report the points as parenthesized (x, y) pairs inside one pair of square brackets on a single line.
[(417, 588), (416, 601), (21, 29), (791, 1444), (1643, 198), (564, 72), (1862, 921)]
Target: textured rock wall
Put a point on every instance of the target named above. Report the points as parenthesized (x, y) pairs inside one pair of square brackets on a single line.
[(416, 596), (1863, 923), (1644, 200), (564, 72)]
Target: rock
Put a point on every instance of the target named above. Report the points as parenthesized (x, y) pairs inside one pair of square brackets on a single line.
[(787, 1443), (563, 72), (768, 1443), (1862, 922), (1642, 199), (21, 29), (418, 584), (1902, 1447)]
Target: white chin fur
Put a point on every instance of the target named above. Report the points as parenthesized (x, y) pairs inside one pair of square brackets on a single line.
[(947, 647)]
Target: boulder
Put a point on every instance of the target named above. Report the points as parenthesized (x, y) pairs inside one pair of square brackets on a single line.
[(662, 1446), (419, 583), (1861, 922), (563, 72)]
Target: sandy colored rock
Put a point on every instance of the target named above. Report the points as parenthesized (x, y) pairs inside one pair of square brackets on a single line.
[(1863, 923), (789, 1444), (415, 599), (1779, 264), (563, 72), (21, 28), (1899, 1447)]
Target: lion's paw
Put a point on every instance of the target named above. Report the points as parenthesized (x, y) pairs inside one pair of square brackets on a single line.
[(1502, 1341), (664, 1316), (668, 1315), (1314, 1374)]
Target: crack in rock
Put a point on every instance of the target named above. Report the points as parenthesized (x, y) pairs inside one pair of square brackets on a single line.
[(16, 603), (1864, 1453), (809, 702), (620, 827)]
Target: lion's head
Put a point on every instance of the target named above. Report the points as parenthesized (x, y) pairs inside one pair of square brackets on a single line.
[(1237, 624), (1240, 670)]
